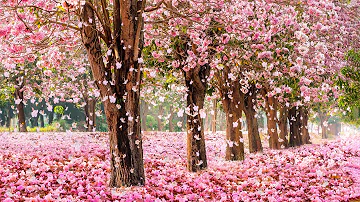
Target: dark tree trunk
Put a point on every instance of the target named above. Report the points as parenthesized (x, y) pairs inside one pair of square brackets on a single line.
[(51, 117), (121, 101), (271, 107), (159, 117), (42, 123), (251, 121), (196, 86), (213, 117), (9, 116), (234, 137), (90, 114), (304, 131), (144, 112), (34, 121), (283, 127), (20, 108), (294, 121)]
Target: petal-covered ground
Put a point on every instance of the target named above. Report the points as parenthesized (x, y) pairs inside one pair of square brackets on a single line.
[(75, 167)]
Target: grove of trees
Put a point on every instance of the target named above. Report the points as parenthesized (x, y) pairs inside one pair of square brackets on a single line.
[(286, 59)]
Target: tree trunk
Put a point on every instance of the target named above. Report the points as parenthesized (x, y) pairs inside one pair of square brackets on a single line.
[(34, 121), (251, 121), (9, 116), (283, 127), (121, 100), (294, 121), (20, 108), (90, 114), (271, 123), (51, 117), (324, 134), (213, 117), (159, 117), (196, 87), (234, 138), (171, 117), (144, 112), (42, 123), (304, 132)]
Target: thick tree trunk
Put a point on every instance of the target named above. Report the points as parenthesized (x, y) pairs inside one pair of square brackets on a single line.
[(20, 108), (121, 100), (251, 121), (304, 132), (283, 127), (294, 121), (159, 117), (196, 84), (213, 117), (271, 107), (144, 113), (234, 137)]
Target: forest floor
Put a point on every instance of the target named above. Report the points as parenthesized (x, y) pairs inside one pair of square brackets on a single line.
[(75, 167)]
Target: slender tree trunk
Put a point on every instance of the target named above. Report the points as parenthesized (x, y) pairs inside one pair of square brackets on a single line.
[(90, 114), (234, 138), (34, 121), (159, 117), (144, 113), (42, 123), (9, 116), (171, 117), (271, 107), (20, 108), (283, 127), (294, 121), (51, 117), (251, 121), (121, 101), (324, 134), (213, 117), (196, 84), (304, 133)]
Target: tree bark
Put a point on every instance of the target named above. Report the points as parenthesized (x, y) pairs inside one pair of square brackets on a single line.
[(90, 114), (234, 137), (20, 108), (42, 123), (304, 132), (294, 121), (121, 100), (283, 127), (171, 117), (159, 117), (271, 107), (34, 121), (251, 121), (195, 80), (144, 112), (9, 116), (213, 117), (323, 118)]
